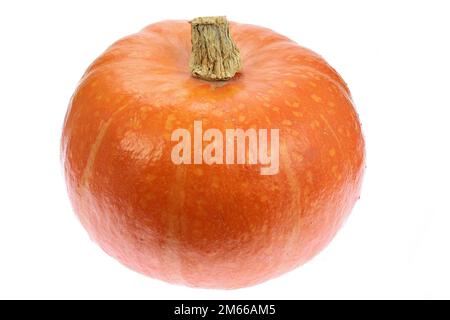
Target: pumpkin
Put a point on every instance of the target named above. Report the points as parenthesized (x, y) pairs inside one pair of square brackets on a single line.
[(214, 224)]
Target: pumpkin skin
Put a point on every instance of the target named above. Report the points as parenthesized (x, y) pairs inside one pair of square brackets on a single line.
[(211, 226)]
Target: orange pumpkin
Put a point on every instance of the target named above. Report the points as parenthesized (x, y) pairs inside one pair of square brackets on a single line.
[(210, 225)]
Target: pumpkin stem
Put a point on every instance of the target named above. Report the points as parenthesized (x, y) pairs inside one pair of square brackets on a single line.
[(214, 55)]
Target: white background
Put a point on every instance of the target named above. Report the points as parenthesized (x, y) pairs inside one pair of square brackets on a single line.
[(395, 56)]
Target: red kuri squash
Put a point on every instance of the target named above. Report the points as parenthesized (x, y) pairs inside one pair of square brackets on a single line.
[(213, 224)]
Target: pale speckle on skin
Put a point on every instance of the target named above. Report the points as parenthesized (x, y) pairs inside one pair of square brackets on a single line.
[(241, 118), (143, 202), (149, 197), (200, 203), (120, 99), (215, 185), (166, 136), (136, 123), (218, 113), (312, 84), (290, 83), (267, 105), (315, 124), (332, 152), (276, 109), (287, 122), (296, 105), (286, 102), (144, 109), (309, 177), (316, 98), (200, 211), (197, 229), (336, 174), (330, 104), (334, 170), (297, 114), (169, 122), (198, 172)]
